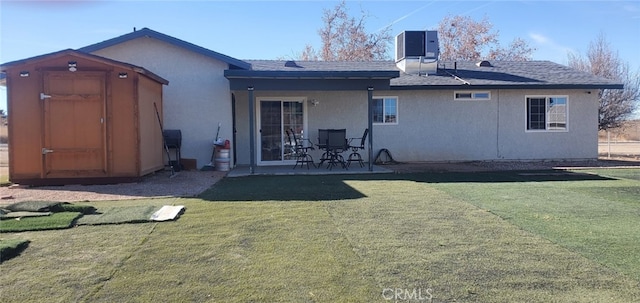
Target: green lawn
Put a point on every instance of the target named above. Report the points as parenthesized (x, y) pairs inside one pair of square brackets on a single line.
[(484, 237)]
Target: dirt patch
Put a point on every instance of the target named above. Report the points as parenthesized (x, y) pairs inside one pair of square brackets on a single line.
[(158, 185)]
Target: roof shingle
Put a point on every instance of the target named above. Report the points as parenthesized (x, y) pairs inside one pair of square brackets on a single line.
[(502, 74)]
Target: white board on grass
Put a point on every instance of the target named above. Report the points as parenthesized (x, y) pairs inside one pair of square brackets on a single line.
[(167, 212)]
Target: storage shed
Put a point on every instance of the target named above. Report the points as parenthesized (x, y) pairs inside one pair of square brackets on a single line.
[(81, 118)]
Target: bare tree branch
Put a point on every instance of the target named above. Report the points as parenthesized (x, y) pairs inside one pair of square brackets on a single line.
[(616, 105), (344, 38), (462, 38)]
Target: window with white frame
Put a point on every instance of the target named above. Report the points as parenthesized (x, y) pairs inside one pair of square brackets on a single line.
[(547, 113), (385, 110), (472, 95)]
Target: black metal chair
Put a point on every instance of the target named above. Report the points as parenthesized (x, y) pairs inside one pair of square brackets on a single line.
[(355, 155), (300, 149), (336, 144), (322, 144)]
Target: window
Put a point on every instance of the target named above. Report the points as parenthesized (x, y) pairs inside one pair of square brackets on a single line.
[(385, 110), (475, 95), (547, 113)]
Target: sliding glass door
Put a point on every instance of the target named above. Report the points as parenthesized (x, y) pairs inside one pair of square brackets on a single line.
[(278, 118)]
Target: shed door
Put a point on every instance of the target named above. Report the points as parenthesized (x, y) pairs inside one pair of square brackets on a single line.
[(74, 128)]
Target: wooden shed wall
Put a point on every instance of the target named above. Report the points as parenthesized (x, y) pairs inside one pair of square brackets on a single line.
[(124, 125), (123, 133), (25, 125), (151, 145)]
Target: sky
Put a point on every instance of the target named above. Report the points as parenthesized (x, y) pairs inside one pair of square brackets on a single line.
[(281, 29)]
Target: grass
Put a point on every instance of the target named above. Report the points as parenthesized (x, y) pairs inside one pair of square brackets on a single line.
[(490, 237), (54, 221), (117, 215), (597, 219), (11, 248), (54, 215)]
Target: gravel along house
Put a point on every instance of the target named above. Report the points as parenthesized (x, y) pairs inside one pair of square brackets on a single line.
[(416, 106)]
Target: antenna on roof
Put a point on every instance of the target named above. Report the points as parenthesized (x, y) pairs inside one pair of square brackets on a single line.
[(134, 28), (465, 82)]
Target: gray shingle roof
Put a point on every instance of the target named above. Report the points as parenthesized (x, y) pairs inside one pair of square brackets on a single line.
[(502, 74), (275, 69), (506, 74), (280, 65), (145, 32)]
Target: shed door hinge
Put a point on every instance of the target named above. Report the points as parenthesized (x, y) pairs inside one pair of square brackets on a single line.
[(43, 96), (46, 151)]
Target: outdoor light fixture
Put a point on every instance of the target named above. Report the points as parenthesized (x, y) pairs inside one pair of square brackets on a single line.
[(314, 102), (24, 73), (122, 75), (73, 66)]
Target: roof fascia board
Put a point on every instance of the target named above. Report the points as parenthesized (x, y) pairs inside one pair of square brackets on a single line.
[(515, 86), (249, 74), (145, 32), (309, 84)]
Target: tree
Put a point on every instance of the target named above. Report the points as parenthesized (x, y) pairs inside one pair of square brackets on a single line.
[(462, 38), (344, 38), (616, 105)]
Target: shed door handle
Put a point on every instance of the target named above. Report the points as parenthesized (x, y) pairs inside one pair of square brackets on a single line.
[(46, 151)]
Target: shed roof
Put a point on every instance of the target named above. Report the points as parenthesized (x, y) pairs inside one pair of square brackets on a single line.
[(450, 75), (140, 70), (145, 32)]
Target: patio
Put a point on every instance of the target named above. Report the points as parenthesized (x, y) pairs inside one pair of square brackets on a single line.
[(244, 170)]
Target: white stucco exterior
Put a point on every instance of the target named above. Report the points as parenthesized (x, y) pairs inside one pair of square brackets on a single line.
[(432, 126), (197, 97)]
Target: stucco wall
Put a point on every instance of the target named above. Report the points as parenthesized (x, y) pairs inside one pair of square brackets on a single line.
[(433, 127), (197, 97), (580, 141)]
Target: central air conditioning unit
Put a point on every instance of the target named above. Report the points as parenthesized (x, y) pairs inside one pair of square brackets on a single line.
[(417, 52)]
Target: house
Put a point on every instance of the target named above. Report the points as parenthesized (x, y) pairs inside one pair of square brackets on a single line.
[(418, 108)]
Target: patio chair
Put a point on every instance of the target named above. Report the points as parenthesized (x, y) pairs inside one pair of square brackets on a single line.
[(336, 144), (355, 155), (322, 144), (300, 149)]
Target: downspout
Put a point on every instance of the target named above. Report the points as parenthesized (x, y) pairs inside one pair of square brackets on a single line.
[(252, 134), (370, 124)]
